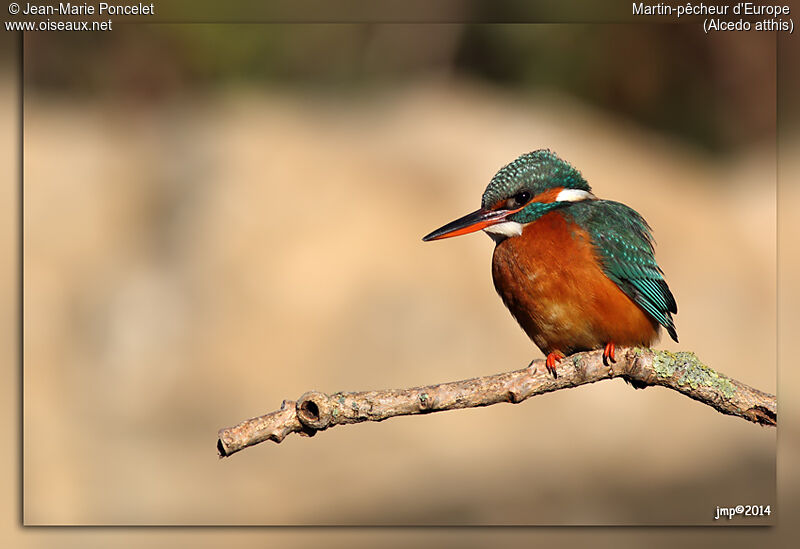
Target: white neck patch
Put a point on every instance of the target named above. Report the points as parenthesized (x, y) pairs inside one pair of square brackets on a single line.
[(574, 195), (506, 228)]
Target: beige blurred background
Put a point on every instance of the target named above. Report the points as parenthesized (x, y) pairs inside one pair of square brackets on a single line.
[(200, 244)]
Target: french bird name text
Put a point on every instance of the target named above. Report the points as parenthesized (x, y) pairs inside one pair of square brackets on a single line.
[(741, 8), (719, 17)]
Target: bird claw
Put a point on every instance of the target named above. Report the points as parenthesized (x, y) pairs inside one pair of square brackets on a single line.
[(608, 353), (551, 361)]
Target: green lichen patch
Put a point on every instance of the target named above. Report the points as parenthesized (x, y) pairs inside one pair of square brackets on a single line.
[(638, 351), (690, 371), (579, 364)]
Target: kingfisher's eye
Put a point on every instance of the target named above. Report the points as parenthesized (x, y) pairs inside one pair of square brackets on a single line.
[(519, 199)]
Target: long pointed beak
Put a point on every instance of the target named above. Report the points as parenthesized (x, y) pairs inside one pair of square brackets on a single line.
[(475, 221)]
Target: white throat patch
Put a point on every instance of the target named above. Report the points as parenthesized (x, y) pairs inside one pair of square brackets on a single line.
[(506, 228), (574, 195)]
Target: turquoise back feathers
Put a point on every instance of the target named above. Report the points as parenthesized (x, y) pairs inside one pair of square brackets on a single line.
[(624, 245)]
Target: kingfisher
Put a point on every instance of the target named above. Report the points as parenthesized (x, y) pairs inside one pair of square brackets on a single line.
[(576, 272)]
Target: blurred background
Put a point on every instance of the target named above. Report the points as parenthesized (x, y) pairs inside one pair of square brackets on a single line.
[(220, 217)]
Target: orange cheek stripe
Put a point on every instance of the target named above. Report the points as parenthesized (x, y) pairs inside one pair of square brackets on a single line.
[(548, 196)]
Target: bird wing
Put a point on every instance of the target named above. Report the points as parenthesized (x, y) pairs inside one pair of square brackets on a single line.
[(624, 243)]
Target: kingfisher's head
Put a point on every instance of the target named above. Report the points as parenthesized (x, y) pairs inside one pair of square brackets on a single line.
[(521, 192)]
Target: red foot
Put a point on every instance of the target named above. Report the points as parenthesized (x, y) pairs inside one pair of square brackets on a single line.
[(552, 359), (608, 353)]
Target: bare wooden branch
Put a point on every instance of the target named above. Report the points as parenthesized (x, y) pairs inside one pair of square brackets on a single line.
[(680, 371)]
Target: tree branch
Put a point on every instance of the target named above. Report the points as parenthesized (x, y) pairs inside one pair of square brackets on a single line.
[(680, 371)]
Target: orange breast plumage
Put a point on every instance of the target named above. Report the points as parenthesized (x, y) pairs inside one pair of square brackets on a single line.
[(551, 279)]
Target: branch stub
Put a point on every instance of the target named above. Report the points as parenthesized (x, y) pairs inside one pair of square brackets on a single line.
[(314, 411)]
